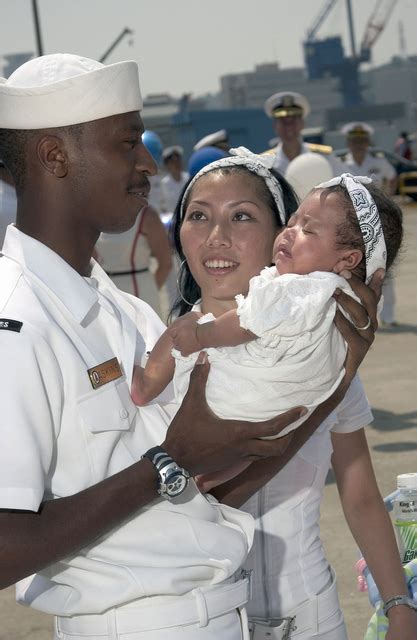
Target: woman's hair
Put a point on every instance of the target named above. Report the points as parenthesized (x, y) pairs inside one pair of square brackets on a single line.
[(349, 233), (187, 285)]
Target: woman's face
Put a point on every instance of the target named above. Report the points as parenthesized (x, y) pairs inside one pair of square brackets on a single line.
[(227, 236)]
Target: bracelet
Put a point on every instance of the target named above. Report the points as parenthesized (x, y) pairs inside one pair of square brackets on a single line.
[(397, 600)]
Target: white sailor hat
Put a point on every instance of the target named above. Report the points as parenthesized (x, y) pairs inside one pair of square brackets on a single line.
[(286, 103), (62, 89), (218, 138), (357, 130), (171, 151)]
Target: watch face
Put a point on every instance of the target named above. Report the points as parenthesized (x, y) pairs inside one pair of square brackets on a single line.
[(175, 484)]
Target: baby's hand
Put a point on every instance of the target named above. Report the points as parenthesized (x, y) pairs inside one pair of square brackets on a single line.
[(183, 333)]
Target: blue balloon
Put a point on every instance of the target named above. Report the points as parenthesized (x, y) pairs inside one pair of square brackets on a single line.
[(202, 157), (153, 143)]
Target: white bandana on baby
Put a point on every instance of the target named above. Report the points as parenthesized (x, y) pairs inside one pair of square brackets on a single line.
[(368, 218), (261, 165)]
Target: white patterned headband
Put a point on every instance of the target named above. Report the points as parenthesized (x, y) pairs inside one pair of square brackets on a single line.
[(261, 165), (368, 218)]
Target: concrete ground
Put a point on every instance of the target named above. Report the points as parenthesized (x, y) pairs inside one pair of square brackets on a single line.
[(389, 375)]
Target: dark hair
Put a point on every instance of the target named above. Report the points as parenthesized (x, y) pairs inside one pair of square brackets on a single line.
[(188, 286), (13, 148), (349, 233)]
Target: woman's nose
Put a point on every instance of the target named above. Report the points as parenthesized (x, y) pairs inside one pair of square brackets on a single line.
[(218, 237)]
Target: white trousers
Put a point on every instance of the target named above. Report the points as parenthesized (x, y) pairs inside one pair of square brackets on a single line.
[(319, 618), (209, 613)]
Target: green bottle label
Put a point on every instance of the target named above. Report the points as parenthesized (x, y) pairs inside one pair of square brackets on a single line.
[(407, 539)]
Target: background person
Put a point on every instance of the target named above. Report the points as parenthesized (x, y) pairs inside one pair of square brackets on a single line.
[(225, 243), (361, 162), (175, 178), (402, 146), (218, 139), (8, 202), (139, 260), (288, 110)]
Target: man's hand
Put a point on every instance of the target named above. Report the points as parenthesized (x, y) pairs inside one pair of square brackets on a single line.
[(358, 340), (202, 442)]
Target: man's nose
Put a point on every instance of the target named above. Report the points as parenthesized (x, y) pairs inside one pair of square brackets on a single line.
[(145, 162)]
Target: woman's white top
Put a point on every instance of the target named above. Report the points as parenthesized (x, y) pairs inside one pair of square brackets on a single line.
[(297, 359)]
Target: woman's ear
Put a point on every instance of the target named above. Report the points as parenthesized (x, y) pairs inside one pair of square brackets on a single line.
[(52, 155), (349, 260)]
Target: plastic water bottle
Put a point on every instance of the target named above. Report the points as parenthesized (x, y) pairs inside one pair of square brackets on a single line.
[(405, 516)]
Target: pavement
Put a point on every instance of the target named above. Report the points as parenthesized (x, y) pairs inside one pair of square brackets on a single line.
[(389, 376)]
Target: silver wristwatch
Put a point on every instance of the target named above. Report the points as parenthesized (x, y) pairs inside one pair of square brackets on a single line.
[(172, 479), (396, 600)]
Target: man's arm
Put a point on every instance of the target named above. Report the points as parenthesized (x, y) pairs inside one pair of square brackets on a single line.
[(196, 439)]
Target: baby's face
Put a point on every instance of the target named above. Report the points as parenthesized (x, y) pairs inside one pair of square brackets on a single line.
[(308, 243)]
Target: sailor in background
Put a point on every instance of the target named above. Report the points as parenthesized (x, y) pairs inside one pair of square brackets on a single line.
[(175, 177), (218, 139), (360, 160), (288, 110)]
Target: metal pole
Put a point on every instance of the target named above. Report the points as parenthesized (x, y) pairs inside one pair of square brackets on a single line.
[(351, 28), (37, 28), (106, 54)]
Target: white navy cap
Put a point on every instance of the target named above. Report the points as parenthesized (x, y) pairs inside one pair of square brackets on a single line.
[(212, 140), (286, 103), (357, 130), (171, 151), (62, 89)]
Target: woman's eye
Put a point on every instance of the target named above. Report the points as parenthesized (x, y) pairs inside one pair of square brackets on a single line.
[(196, 215), (307, 231), (241, 215)]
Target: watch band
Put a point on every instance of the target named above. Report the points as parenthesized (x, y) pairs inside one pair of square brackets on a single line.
[(397, 600), (172, 479)]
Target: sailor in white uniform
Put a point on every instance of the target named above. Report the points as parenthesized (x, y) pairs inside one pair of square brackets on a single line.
[(288, 110)]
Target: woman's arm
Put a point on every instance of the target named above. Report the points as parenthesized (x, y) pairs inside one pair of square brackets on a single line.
[(371, 526), (157, 238), (150, 381)]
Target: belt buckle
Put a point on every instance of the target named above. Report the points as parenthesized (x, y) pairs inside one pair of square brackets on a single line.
[(269, 628)]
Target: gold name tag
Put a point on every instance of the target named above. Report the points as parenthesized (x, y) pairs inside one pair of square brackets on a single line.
[(104, 372)]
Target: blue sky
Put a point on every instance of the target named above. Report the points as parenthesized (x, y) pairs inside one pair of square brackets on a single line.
[(184, 46)]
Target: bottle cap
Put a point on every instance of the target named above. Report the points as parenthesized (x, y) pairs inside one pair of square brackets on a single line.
[(407, 481)]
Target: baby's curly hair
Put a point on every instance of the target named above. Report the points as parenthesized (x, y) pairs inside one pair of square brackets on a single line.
[(349, 233)]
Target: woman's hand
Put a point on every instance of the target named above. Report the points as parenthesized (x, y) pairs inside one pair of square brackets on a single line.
[(402, 624), (363, 315), (183, 332)]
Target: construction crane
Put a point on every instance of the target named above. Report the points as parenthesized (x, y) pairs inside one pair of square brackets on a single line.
[(375, 26), (327, 57)]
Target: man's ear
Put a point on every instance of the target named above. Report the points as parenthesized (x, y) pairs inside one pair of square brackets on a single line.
[(349, 260), (53, 156)]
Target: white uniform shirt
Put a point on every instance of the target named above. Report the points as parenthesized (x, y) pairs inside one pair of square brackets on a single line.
[(60, 436), (375, 167), (297, 359), (282, 161), (171, 190)]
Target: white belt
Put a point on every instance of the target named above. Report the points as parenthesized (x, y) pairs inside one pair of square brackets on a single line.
[(307, 615), (197, 607)]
